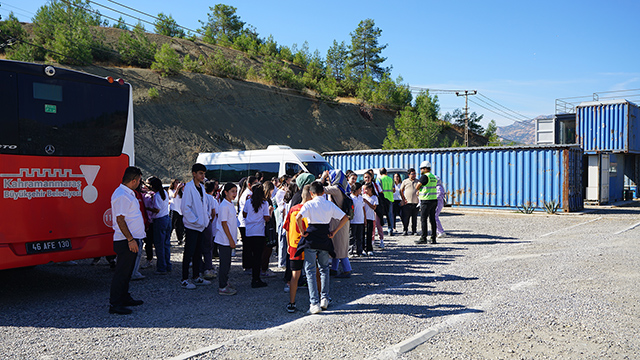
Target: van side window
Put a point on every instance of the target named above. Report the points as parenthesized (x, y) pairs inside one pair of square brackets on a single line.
[(227, 172), (268, 170), (291, 168)]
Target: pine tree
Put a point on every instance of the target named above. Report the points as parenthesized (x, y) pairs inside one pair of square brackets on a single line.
[(337, 58), (167, 26), (365, 51)]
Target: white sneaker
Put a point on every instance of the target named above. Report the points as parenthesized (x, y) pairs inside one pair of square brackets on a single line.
[(137, 276), (200, 281), (267, 273), (381, 244), (287, 288), (370, 253), (186, 284), (209, 274), (442, 234), (324, 304), (315, 309)]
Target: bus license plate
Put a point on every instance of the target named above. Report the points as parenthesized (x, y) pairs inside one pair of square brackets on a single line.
[(48, 246)]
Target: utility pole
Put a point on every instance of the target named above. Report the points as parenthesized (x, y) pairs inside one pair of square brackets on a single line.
[(466, 113)]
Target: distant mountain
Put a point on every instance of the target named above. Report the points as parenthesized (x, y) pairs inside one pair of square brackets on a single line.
[(522, 132)]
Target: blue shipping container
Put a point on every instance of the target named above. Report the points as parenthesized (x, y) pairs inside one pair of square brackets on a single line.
[(608, 126), (489, 176)]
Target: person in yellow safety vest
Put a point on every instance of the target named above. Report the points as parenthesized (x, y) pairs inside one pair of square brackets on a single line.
[(386, 182), (428, 195)]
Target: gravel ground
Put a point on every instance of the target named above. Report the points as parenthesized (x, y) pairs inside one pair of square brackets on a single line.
[(500, 285)]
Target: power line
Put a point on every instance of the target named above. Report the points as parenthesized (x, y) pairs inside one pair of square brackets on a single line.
[(15, 7), (501, 112), (504, 107), (146, 14), (486, 108)]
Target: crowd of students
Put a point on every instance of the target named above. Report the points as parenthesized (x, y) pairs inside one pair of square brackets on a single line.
[(315, 225)]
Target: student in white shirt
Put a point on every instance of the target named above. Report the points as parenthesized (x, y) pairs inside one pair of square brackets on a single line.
[(175, 212), (256, 212), (226, 236), (195, 219), (209, 231), (161, 225), (316, 243), (371, 202), (358, 222), (245, 193)]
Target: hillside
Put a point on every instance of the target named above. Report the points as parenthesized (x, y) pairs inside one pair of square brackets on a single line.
[(202, 113)]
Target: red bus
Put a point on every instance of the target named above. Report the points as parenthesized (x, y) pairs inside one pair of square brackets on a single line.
[(66, 139)]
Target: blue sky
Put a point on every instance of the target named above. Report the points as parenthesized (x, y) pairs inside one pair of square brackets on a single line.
[(522, 55)]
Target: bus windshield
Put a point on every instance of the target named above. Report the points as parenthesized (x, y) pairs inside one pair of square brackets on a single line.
[(62, 117)]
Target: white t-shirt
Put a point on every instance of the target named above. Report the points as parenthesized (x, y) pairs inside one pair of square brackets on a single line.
[(396, 194), (254, 221), (369, 212), (320, 211), (358, 210), (175, 202), (162, 205), (226, 212), (241, 202), (124, 203)]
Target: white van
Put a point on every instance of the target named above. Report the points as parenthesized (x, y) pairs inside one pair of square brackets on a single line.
[(276, 160)]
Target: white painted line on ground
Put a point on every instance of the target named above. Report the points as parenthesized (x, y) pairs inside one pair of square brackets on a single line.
[(627, 229), (201, 351), (570, 227)]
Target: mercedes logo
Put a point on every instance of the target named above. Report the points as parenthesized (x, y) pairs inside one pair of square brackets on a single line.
[(49, 149)]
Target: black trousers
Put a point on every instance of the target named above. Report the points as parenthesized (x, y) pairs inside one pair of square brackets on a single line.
[(177, 225), (356, 239), (410, 211), (254, 248), (368, 235), (124, 268), (428, 213), (192, 253), (225, 265), (246, 259)]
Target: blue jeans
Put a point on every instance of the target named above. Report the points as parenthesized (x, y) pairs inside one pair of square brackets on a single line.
[(324, 260), (391, 218), (161, 240)]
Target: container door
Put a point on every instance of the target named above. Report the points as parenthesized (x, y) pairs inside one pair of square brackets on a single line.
[(593, 184), (604, 179)]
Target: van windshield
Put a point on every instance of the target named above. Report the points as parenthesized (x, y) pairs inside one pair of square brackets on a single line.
[(317, 167)]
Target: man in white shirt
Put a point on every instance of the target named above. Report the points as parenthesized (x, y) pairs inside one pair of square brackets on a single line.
[(128, 226), (316, 243)]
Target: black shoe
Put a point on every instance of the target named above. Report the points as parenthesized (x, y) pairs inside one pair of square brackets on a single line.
[(411, 232), (333, 272), (405, 233), (112, 264), (422, 241), (291, 307), (433, 241), (133, 302), (258, 284), (119, 310)]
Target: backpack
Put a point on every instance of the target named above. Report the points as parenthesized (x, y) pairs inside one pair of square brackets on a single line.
[(347, 205)]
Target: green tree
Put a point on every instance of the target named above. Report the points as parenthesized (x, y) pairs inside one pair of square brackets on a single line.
[(11, 29), (66, 27), (167, 61), (301, 57), (195, 65), (337, 58), (457, 118), (135, 48), (365, 50), (167, 26), (120, 24), (391, 94), (222, 25), (269, 47), (491, 133), (366, 88), (416, 126)]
